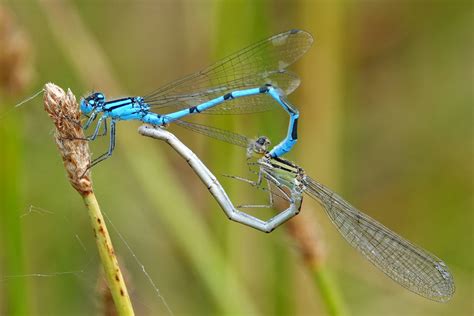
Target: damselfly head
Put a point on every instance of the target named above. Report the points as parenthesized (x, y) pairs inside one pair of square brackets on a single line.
[(93, 101), (262, 143), (258, 147)]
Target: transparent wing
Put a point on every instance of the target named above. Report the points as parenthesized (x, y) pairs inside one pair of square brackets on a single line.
[(263, 62), (216, 133), (407, 264), (284, 80)]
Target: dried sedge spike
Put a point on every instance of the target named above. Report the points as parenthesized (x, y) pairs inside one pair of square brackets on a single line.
[(64, 111), (301, 229), (15, 59), (307, 239)]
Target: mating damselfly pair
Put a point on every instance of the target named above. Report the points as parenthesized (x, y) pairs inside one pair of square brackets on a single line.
[(253, 80), (409, 265)]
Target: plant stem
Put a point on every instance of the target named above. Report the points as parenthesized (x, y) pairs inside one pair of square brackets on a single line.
[(329, 292), (64, 111), (326, 74), (15, 294), (312, 251), (110, 263)]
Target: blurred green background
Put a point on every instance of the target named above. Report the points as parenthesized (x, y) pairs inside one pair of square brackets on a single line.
[(386, 120)]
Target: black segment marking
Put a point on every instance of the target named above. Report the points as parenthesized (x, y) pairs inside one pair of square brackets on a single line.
[(228, 96), (285, 165), (113, 107), (294, 31), (283, 161), (194, 109), (289, 109), (294, 131), (263, 89), (284, 168)]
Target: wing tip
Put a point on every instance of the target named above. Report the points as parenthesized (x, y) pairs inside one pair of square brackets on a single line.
[(301, 32)]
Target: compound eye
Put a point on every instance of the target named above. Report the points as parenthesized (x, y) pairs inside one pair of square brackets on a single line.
[(263, 141), (100, 96)]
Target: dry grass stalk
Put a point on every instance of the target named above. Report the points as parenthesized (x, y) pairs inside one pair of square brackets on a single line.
[(64, 111), (309, 243)]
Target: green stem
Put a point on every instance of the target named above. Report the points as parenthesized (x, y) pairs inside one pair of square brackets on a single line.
[(63, 110), (109, 261), (10, 156), (326, 75), (329, 293)]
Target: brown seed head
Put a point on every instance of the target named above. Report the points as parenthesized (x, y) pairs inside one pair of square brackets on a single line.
[(64, 111)]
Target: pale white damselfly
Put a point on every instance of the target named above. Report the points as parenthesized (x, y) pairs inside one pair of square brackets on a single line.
[(407, 264), (218, 192)]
